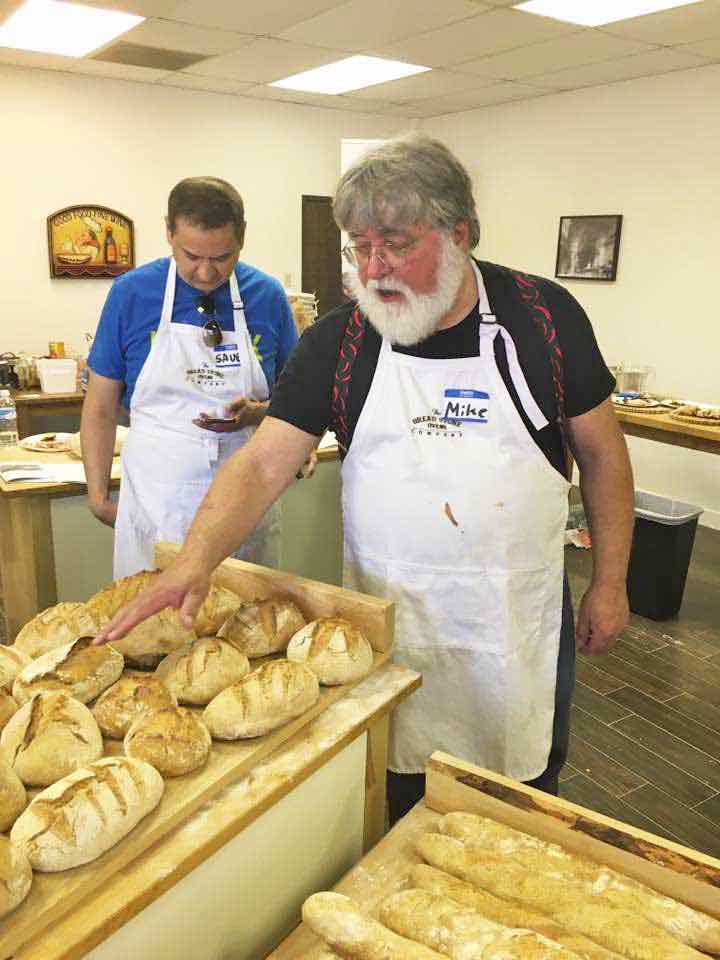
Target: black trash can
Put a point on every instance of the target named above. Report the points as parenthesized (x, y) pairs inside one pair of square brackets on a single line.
[(661, 549)]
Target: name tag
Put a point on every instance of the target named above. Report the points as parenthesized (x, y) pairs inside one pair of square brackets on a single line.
[(467, 406), (227, 355)]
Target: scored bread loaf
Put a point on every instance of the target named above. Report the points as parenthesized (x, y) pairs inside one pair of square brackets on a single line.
[(172, 739), (134, 693), (505, 912), (595, 917), (354, 935), (199, 671), (542, 857), (261, 627), (218, 605), (333, 649), (80, 669), (13, 798), (12, 660), (81, 816), (56, 627), (8, 706), (449, 928), (265, 699), (50, 736), (15, 876)]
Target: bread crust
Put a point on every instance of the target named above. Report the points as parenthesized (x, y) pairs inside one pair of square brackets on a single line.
[(13, 797), (199, 671), (173, 739), (15, 876), (80, 669), (12, 661), (333, 649), (134, 693), (259, 628), (55, 627)]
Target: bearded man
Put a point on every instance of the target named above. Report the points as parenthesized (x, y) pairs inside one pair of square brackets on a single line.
[(457, 389)]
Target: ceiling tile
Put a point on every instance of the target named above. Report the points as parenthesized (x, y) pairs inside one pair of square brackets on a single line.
[(479, 36), (697, 21), (265, 60), (576, 49), (118, 71), (324, 100), (267, 17), (423, 86), (145, 8), (171, 35), (652, 63), (209, 84), (473, 99), (29, 58), (703, 48), (364, 24)]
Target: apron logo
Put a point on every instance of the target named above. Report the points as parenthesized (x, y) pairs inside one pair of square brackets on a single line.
[(468, 406), (227, 355)]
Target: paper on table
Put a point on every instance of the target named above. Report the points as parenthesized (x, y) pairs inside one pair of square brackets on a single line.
[(49, 472), (329, 440), (15, 470)]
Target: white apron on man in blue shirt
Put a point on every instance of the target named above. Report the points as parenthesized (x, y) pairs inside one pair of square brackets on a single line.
[(168, 462), (452, 511)]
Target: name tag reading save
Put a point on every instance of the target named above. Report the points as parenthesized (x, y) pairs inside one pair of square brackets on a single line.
[(470, 406), (227, 355)]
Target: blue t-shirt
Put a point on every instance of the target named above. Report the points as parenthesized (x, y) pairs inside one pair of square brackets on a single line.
[(131, 316)]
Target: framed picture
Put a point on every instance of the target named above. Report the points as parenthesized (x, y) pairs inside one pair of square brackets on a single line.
[(90, 241), (588, 247)]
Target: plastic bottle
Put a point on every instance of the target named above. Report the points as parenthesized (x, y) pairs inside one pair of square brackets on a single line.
[(8, 420)]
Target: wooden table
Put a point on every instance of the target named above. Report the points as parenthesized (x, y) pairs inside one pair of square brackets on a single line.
[(661, 427), (31, 403)]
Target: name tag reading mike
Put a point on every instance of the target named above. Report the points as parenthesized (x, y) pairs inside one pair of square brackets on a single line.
[(227, 355), (468, 406)]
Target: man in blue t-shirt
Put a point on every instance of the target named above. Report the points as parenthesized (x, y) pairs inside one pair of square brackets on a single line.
[(191, 345)]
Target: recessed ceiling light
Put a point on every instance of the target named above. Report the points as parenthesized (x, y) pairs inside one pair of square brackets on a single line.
[(353, 73), (51, 26), (595, 13)]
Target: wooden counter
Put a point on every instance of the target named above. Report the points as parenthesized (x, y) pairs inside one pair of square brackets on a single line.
[(34, 403), (661, 427)]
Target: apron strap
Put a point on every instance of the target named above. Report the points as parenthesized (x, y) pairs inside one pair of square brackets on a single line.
[(349, 350), (489, 330)]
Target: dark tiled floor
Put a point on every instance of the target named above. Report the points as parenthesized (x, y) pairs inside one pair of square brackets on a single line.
[(645, 744)]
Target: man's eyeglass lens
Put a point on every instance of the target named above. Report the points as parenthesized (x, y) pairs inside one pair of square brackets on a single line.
[(387, 254), (211, 331)]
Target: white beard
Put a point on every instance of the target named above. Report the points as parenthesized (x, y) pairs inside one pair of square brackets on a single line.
[(417, 317)]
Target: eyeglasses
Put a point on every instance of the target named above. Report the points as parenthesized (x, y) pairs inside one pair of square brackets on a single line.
[(393, 254), (211, 332)]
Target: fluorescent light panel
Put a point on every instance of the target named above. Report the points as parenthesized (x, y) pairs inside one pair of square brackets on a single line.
[(353, 73), (595, 13), (50, 26)]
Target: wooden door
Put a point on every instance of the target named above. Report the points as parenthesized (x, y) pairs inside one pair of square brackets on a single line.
[(321, 270)]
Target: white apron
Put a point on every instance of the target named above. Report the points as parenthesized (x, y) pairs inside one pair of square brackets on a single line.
[(452, 511), (168, 462)]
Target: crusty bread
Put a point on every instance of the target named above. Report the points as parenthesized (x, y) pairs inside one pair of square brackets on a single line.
[(15, 876), (456, 931), (334, 649), (265, 699), (13, 798), (354, 935), (8, 706), (219, 604), (172, 739), (599, 919), (56, 627), (81, 816), (542, 857), (80, 669), (199, 671), (50, 736), (503, 911), (12, 660), (134, 693), (261, 627)]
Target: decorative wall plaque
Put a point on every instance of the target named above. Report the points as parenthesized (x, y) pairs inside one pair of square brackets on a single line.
[(90, 241)]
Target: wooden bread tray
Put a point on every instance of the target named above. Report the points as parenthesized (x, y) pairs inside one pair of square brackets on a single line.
[(677, 871), (53, 895)]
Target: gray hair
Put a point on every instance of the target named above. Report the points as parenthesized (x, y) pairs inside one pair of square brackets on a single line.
[(411, 179)]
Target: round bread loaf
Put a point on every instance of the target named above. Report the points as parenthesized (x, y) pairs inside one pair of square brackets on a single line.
[(12, 661), (56, 627), (8, 706), (13, 798), (261, 627), (81, 816), (172, 739), (134, 693), (80, 669), (50, 736), (265, 699), (199, 671), (334, 649), (219, 604), (15, 876)]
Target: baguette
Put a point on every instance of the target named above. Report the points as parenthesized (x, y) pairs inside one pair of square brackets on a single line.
[(86, 813), (13, 798), (15, 876), (333, 649), (56, 627), (692, 927), (50, 736), (8, 707), (463, 934), (261, 627), (355, 936), (134, 693), (79, 669), (504, 912), (12, 660), (199, 671), (597, 918), (172, 739)]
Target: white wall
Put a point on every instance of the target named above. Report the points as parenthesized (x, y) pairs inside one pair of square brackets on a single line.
[(648, 149), (68, 140)]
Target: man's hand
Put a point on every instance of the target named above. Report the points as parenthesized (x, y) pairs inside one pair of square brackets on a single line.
[(105, 511), (183, 585), (240, 413), (307, 470), (602, 617)]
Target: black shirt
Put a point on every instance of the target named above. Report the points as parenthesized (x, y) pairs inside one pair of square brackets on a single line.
[(303, 393)]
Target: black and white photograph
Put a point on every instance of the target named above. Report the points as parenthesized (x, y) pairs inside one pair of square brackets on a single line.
[(588, 247)]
